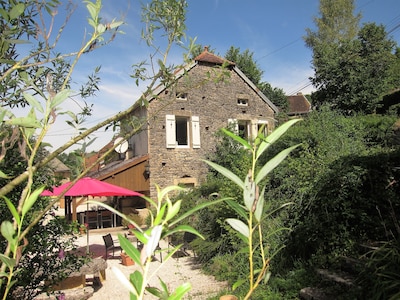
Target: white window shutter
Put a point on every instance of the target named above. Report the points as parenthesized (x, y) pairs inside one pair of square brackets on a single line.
[(170, 131), (233, 123), (196, 131)]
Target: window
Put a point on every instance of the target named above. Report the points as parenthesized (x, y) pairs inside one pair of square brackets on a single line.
[(182, 131), (243, 102), (264, 126), (248, 129), (181, 96), (244, 129)]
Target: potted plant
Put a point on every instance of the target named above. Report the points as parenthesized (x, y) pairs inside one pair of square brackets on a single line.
[(83, 228), (126, 260)]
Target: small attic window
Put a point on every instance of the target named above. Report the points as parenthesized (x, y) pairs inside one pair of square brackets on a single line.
[(181, 96), (243, 102)]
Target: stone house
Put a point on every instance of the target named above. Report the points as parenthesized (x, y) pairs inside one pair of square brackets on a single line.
[(182, 120)]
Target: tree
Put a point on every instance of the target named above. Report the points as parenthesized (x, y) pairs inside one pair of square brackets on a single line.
[(352, 66)]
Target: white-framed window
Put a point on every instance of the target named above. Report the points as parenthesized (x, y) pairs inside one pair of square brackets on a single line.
[(248, 129), (241, 127), (181, 96), (243, 102), (264, 126), (182, 131)]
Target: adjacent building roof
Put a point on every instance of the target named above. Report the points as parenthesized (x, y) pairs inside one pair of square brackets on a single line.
[(298, 104)]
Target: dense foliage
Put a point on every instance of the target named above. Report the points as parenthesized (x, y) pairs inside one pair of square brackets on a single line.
[(354, 68)]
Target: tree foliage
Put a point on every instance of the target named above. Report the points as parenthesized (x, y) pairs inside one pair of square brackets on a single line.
[(353, 67)]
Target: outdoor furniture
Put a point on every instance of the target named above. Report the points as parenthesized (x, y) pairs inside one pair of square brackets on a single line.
[(109, 244), (77, 279), (106, 217), (91, 219)]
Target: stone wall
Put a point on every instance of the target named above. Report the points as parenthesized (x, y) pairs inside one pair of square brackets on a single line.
[(214, 103)]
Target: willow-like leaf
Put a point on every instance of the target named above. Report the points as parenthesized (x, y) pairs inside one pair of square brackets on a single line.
[(183, 228), (260, 205), (193, 210), (28, 203), (8, 261), (8, 231), (180, 291), (274, 136), (227, 173), (249, 192), (173, 210), (273, 163), (129, 249), (237, 138), (13, 210), (239, 226), (238, 208), (136, 279)]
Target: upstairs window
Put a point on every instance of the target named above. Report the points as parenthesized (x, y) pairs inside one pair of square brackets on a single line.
[(242, 102), (182, 131), (181, 96)]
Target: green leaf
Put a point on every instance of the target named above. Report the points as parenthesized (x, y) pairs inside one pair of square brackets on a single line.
[(33, 102), (180, 291), (227, 173), (129, 249), (194, 209), (160, 214), (154, 291), (8, 231), (16, 11), (173, 210), (9, 262), (59, 98), (238, 284), (13, 210), (237, 138), (249, 192), (184, 228), (3, 175), (239, 226), (136, 279), (260, 205), (28, 203), (24, 122), (237, 207), (273, 163), (274, 136)]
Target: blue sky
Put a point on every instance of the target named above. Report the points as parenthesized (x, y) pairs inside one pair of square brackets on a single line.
[(271, 29)]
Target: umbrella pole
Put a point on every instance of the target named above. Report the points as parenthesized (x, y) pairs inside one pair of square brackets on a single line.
[(87, 230)]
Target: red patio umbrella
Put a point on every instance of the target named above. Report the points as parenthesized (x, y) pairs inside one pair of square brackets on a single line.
[(90, 187)]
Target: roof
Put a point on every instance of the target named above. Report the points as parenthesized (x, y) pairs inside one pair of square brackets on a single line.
[(209, 57), (58, 166), (298, 104)]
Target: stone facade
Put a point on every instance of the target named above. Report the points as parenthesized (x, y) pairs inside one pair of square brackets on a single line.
[(214, 101)]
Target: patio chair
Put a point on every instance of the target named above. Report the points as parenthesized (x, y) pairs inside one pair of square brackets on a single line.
[(106, 217), (110, 244)]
